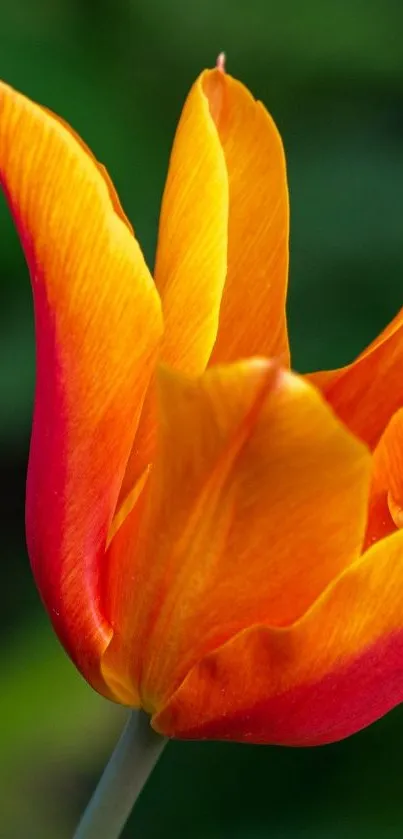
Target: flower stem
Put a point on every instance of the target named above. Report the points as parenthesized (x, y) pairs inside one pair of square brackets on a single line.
[(132, 761)]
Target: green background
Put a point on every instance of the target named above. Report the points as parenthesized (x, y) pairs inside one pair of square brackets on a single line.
[(332, 75)]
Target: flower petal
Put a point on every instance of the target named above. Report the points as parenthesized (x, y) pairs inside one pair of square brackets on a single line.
[(366, 393), (388, 466), (257, 500), (98, 325), (191, 261), (252, 316), (386, 497), (335, 671), (224, 218)]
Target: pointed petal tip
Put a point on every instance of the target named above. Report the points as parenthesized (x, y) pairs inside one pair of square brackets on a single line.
[(221, 62)]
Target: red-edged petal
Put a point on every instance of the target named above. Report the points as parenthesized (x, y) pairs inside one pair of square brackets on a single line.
[(98, 324), (335, 671), (258, 498)]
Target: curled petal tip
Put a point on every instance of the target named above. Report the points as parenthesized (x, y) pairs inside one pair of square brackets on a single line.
[(220, 63)]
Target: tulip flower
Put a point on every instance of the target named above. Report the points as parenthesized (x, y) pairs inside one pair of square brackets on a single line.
[(216, 538)]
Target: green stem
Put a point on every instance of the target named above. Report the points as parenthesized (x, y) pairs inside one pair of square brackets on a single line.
[(131, 763)]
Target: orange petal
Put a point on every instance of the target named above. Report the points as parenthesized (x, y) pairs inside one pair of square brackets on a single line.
[(327, 676), (366, 393), (191, 261), (224, 217), (97, 329), (258, 499), (386, 498), (224, 213), (252, 316)]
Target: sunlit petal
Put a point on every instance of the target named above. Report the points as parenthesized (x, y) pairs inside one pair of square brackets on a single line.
[(332, 673), (257, 500), (252, 316), (98, 324)]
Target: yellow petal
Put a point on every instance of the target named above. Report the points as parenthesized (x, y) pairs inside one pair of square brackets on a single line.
[(191, 261)]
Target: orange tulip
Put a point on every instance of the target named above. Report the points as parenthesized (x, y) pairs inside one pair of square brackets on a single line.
[(215, 538)]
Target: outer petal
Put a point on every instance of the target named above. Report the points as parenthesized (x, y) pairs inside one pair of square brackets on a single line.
[(332, 673), (366, 393), (252, 316), (257, 500), (97, 327)]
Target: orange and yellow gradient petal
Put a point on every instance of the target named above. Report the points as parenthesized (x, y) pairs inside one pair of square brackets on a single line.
[(191, 260), (224, 219), (327, 676), (98, 326), (252, 315), (257, 499), (222, 256), (386, 498)]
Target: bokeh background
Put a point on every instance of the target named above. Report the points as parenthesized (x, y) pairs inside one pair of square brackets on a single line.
[(331, 72)]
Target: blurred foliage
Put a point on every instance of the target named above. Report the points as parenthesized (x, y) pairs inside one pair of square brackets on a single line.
[(118, 70)]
